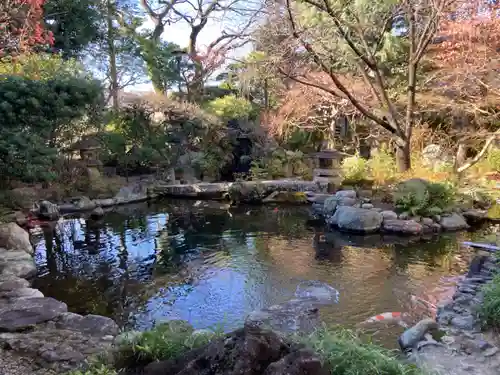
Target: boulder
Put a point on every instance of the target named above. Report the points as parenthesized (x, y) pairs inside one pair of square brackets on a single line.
[(367, 206), (296, 315), (47, 210), (97, 213), (320, 292), (389, 215), (411, 337), (353, 219), (8, 284), (83, 203), (453, 222), (93, 325), (300, 362), (133, 193), (16, 263), (330, 205), (13, 237), (402, 226), (346, 194), (22, 293), (22, 313), (247, 351)]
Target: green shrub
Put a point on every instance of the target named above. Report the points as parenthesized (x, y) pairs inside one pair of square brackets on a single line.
[(489, 310), (346, 354), (355, 169), (421, 197), (230, 107), (95, 370), (279, 164), (382, 166), (493, 159)]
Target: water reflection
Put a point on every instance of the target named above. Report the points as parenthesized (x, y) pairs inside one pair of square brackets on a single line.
[(211, 266)]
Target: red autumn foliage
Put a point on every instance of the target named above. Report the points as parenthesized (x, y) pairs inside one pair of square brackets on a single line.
[(22, 27)]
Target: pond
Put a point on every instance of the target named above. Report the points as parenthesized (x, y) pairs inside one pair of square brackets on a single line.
[(212, 265)]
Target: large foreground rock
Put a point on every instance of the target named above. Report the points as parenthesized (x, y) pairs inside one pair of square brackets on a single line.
[(358, 220), (13, 237), (247, 351), (22, 313)]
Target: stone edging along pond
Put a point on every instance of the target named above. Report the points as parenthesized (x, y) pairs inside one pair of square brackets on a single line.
[(37, 328), (252, 192), (348, 212)]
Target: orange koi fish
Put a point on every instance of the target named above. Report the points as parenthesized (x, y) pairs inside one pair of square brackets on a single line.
[(388, 317)]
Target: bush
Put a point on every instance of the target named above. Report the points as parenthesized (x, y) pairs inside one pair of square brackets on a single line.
[(230, 107), (280, 163), (382, 166), (489, 311), (493, 159), (421, 197), (34, 114), (354, 169), (346, 354)]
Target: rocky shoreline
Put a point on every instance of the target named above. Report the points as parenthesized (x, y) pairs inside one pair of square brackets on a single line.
[(37, 332), (353, 212), (463, 347)]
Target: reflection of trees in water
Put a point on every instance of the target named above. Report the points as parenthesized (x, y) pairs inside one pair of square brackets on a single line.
[(101, 266)]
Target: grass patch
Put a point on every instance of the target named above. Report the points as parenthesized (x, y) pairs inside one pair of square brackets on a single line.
[(346, 354), (165, 341), (489, 311)]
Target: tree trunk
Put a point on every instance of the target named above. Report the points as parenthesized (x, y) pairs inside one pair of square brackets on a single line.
[(403, 157), (113, 74)]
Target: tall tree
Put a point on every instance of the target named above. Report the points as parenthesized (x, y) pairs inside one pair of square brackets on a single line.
[(365, 53)]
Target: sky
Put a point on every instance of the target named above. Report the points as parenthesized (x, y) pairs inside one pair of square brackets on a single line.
[(179, 34)]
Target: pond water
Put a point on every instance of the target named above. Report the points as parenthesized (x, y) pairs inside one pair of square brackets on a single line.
[(212, 266)]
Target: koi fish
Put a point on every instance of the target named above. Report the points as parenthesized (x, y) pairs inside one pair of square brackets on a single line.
[(387, 317)]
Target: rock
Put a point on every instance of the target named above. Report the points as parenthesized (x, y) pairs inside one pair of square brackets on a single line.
[(320, 292), (13, 237), (427, 221), (47, 210), (463, 322), (436, 227), (300, 362), (246, 351), (22, 293), (347, 201), (453, 222), (402, 226), (133, 193), (57, 351), (83, 203), (474, 215), (20, 218), (404, 216), (97, 213), (330, 205), (490, 352), (93, 325), (12, 283), (346, 194), (359, 220), (16, 263), (367, 206), (19, 314), (389, 215), (296, 315), (411, 337), (107, 202)]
